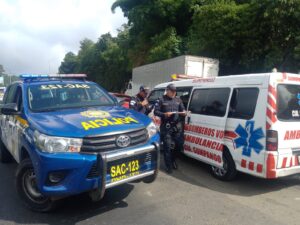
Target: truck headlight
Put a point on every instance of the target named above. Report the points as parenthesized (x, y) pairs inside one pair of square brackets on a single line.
[(152, 130), (51, 144)]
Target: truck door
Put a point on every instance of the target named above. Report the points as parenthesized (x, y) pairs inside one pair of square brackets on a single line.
[(205, 126), (9, 128), (6, 120)]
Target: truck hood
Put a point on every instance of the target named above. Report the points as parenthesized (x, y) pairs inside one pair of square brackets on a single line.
[(83, 122)]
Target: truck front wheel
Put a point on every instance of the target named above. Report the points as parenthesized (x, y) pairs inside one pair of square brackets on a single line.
[(26, 185)]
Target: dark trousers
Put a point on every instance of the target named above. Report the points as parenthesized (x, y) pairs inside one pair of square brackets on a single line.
[(170, 138)]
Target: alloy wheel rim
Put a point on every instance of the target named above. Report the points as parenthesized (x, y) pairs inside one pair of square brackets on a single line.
[(221, 172)]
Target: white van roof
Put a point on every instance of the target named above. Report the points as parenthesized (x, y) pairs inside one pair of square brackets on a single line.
[(245, 79)]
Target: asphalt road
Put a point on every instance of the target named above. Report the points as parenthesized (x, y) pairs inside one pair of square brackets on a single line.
[(189, 196)]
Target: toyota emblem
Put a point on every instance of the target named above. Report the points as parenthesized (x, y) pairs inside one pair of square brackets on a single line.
[(123, 141)]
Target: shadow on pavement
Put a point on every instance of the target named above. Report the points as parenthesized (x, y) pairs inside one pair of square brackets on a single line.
[(71, 210), (197, 173)]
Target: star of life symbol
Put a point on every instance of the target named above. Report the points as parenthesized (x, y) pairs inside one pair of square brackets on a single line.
[(249, 138)]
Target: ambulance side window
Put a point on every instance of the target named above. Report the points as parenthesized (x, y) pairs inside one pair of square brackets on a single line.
[(243, 103), (184, 94), (211, 102), (155, 95)]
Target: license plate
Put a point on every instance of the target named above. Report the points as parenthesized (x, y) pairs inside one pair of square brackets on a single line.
[(125, 170), (128, 167)]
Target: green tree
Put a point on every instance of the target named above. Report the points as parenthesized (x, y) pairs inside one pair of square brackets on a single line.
[(1, 70), (111, 66), (245, 35), (252, 36), (217, 32), (157, 28), (69, 64)]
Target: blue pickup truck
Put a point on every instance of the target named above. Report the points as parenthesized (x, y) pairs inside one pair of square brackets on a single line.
[(69, 136)]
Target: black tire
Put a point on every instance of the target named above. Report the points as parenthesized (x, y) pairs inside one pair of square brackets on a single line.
[(28, 191), (228, 172), (150, 179), (5, 156)]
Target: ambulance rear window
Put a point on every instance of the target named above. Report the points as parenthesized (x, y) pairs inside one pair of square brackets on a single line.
[(288, 102), (243, 103)]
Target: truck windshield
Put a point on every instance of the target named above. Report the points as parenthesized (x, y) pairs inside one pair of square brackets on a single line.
[(56, 96), (288, 102)]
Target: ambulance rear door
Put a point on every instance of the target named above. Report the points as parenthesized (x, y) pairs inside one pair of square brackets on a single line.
[(287, 124)]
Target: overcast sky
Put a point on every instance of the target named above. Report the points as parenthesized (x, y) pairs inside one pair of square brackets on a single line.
[(36, 34)]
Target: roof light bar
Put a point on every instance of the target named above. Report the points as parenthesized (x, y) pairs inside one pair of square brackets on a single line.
[(30, 76)]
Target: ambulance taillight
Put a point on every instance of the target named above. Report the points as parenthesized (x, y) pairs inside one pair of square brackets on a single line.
[(272, 140)]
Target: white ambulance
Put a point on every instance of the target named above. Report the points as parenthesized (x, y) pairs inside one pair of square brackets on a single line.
[(248, 123)]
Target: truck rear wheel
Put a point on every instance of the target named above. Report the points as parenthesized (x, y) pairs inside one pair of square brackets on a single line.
[(5, 156), (228, 172), (27, 189)]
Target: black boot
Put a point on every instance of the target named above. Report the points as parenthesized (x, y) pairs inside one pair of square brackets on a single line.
[(169, 170), (175, 166)]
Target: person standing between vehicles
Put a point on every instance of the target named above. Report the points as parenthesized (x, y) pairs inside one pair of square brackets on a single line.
[(140, 103), (171, 111)]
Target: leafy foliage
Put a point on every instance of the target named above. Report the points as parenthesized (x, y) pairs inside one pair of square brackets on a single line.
[(245, 35), (255, 36), (105, 62), (7, 79), (1, 70), (69, 64)]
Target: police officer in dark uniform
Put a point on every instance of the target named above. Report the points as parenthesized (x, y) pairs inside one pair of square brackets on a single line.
[(172, 112), (140, 103)]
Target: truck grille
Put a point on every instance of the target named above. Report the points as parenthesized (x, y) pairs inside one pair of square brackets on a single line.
[(104, 143)]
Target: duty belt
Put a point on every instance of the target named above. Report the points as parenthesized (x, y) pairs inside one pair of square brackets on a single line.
[(171, 126)]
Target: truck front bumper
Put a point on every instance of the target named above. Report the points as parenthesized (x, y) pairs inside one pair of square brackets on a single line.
[(86, 172)]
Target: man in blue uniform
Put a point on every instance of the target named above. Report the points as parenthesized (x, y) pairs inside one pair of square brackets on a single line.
[(171, 111), (140, 103)]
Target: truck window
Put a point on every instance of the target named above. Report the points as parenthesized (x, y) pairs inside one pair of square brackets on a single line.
[(57, 96), (288, 102), (18, 99), (10, 94), (243, 103), (211, 102)]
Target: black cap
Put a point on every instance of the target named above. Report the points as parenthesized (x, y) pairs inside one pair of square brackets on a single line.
[(144, 89), (171, 87)]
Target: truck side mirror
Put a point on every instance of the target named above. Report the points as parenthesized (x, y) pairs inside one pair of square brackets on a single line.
[(121, 101), (10, 109)]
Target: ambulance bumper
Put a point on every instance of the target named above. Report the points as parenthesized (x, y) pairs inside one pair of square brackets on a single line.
[(288, 171)]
